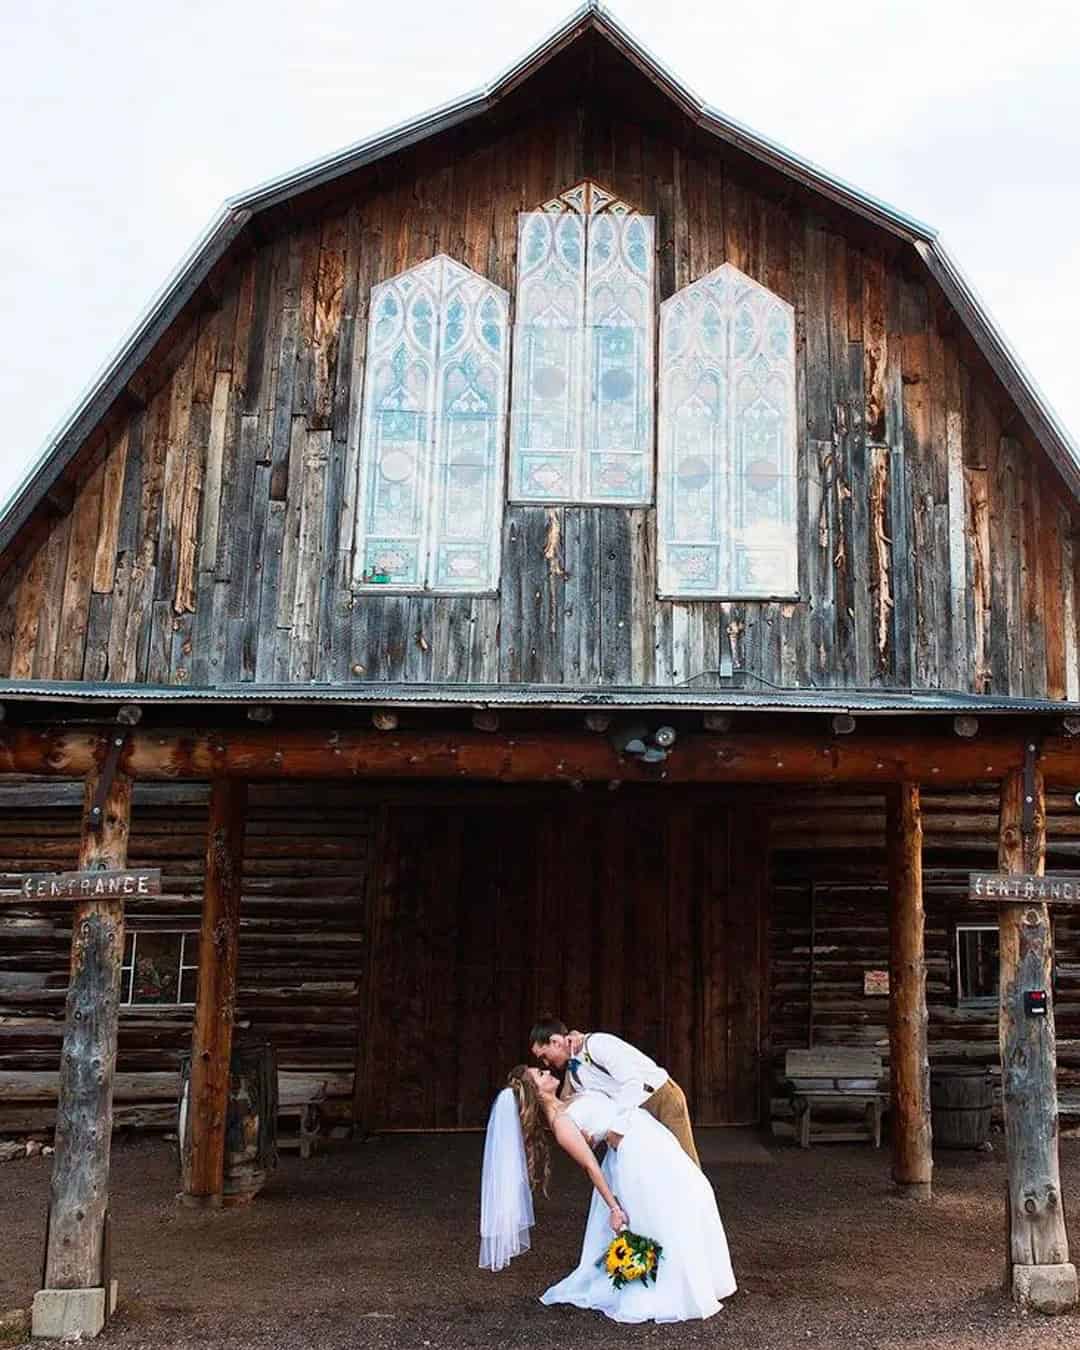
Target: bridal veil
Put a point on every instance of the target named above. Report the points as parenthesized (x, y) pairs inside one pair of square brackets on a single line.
[(506, 1207)]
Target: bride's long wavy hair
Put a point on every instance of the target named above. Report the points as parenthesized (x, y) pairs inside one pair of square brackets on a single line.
[(533, 1127)]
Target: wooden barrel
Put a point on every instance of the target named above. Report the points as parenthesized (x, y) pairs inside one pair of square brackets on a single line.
[(251, 1126), (961, 1100)]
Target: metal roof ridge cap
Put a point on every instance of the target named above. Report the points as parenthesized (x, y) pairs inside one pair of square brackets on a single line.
[(937, 249), (607, 19), (575, 19), (384, 138), (226, 214), (398, 135), (792, 159), (707, 113)]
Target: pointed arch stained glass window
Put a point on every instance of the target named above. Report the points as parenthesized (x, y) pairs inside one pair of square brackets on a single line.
[(726, 499), (432, 431), (581, 408)]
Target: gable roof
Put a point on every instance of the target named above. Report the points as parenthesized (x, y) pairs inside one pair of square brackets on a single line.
[(591, 16)]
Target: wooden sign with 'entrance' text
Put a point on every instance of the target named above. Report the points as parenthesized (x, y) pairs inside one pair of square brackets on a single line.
[(133, 884), (1055, 888)]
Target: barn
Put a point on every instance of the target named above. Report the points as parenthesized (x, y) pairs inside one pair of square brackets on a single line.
[(567, 553)]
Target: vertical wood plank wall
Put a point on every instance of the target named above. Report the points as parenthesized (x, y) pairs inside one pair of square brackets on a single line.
[(638, 914), (211, 534)]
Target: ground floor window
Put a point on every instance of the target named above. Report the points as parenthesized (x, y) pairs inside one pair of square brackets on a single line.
[(160, 968), (977, 962)]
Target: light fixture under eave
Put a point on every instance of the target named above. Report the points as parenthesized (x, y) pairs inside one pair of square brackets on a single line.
[(634, 738), (629, 738)]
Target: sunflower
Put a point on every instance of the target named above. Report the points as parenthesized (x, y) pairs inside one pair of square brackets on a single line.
[(629, 1258)]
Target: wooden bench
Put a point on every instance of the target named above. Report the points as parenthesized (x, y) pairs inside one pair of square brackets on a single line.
[(1068, 1112), (835, 1076), (301, 1095)]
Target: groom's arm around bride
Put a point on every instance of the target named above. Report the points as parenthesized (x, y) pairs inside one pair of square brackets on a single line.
[(601, 1062)]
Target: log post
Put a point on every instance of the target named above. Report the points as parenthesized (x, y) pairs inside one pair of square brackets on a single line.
[(1038, 1272), (215, 1005), (76, 1294), (908, 1056)]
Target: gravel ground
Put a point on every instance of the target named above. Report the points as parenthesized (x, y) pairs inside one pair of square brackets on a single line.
[(374, 1245)]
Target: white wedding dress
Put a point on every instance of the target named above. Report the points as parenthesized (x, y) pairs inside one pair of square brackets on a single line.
[(666, 1198)]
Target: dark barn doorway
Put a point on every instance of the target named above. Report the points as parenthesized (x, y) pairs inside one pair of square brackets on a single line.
[(641, 911)]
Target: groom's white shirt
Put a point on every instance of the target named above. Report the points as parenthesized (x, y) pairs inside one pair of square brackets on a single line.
[(631, 1075)]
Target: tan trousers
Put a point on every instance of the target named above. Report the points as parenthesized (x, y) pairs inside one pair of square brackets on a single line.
[(668, 1105)]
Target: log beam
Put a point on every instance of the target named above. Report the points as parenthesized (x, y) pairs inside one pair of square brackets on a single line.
[(253, 752), (79, 1193), (909, 1063), (1038, 1272), (215, 1002)]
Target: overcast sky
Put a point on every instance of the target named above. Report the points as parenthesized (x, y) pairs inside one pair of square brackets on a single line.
[(129, 121)]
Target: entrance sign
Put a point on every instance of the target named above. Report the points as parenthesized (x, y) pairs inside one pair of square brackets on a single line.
[(123, 884), (1055, 888)]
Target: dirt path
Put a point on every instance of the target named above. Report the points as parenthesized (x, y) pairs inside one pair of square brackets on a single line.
[(374, 1245)]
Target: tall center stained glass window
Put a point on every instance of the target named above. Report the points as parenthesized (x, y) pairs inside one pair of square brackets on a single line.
[(726, 499), (432, 429), (581, 413)]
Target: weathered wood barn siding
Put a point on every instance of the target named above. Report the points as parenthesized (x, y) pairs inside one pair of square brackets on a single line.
[(306, 869), (209, 535), (829, 924)]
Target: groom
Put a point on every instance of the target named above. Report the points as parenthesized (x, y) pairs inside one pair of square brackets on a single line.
[(599, 1062)]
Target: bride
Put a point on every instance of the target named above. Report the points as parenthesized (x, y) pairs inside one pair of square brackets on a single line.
[(647, 1184)]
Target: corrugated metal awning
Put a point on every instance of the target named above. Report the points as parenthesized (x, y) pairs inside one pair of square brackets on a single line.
[(538, 696)]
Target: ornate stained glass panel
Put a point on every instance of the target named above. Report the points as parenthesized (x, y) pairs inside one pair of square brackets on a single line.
[(432, 431), (726, 499), (581, 412), (546, 410)]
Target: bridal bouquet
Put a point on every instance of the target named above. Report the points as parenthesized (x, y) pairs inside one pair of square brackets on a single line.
[(631, 1257)]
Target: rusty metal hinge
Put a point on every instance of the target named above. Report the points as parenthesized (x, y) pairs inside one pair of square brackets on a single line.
[(117, 741)]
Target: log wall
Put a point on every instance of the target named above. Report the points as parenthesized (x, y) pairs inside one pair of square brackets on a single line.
[(307, 859), (829, 924), (486, 911), (210, 535)]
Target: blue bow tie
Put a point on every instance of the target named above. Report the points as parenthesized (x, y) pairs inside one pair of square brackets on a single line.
[(572, 1066)]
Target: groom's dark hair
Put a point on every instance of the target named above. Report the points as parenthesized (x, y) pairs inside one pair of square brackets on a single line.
[(543, 1030)]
